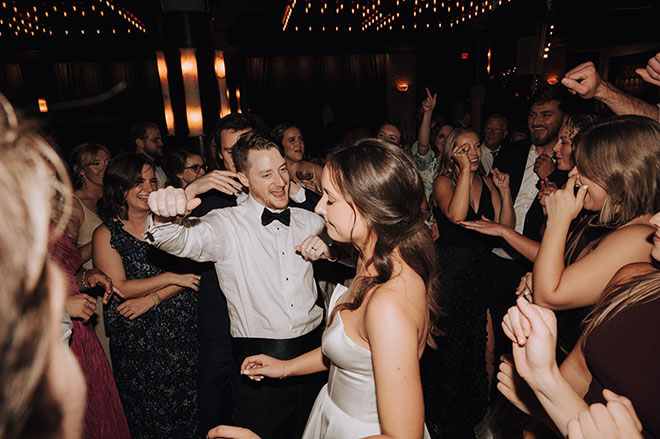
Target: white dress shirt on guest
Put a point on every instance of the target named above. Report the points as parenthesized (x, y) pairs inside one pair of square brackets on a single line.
[(488, 157), (526, 195), (270, 289)]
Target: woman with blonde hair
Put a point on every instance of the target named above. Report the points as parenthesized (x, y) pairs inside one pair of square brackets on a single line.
[(42, 390), (456, 375)]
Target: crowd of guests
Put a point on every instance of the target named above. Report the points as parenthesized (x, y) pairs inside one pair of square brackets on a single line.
[(192, 286)]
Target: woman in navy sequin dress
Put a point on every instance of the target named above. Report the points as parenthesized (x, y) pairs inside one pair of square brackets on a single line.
[(153, 334)]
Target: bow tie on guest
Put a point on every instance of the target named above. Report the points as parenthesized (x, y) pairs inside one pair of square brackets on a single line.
[(268, 217)]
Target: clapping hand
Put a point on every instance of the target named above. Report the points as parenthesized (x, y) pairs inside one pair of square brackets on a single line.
[(533, 331)]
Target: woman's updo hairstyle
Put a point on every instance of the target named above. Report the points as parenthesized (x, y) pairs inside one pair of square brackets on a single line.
[(381, 182)]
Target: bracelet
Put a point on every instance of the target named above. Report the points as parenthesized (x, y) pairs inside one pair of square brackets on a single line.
[(156, 298), (84, 280)]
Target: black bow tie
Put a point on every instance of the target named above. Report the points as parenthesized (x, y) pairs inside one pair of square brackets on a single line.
[(268, 217)]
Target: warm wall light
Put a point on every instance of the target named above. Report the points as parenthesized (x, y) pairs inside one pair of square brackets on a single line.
[(552, 79), (238, 100), (191, 92), (165, 90), (221, 74), (43, 105), (402, 85)]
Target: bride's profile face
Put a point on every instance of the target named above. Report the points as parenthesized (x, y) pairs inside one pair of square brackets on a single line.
[(343, 221)]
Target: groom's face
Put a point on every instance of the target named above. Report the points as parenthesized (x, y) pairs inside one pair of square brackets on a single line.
[(267, 178)]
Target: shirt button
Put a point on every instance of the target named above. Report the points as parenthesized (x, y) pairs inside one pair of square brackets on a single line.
[(282, 252), (287, 278), (292, 305)]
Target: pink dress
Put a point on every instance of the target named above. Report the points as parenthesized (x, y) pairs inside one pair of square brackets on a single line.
[(104, 414)]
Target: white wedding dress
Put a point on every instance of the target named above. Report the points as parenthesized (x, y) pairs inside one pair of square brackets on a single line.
[(345, 407)]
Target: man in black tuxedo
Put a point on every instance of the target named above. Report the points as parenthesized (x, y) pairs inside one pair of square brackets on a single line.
[(527, 163), (216, 368)]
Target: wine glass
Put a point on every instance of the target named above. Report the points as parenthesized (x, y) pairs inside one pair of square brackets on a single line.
[(304, 175)]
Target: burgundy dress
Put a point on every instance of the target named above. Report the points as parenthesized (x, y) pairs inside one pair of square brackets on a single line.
[(104, 414)]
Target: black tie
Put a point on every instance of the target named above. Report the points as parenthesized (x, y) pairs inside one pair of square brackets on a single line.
[(268, 217)]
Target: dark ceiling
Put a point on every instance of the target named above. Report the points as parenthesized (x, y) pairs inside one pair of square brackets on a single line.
[(129, 29)]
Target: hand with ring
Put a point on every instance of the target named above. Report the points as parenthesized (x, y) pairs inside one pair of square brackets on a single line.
[(313, 248)]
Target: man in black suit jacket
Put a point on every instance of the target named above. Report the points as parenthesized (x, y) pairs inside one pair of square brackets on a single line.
[(527, 163)]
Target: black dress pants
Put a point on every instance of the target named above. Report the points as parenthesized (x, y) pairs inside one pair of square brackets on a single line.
[(214, 395)]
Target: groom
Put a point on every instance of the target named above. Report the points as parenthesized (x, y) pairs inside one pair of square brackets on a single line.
[(270, 290)]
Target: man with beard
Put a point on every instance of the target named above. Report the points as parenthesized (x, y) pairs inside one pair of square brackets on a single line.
[(146, 138), (527, 162)]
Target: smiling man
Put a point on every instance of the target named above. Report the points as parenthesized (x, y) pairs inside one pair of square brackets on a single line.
[(270, 290)]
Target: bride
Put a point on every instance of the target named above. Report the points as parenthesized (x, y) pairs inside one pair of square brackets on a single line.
[(379, 326)]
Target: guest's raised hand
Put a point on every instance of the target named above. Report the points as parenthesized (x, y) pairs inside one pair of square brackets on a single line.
[(313, 248), (223, 181), (187, 280), (515, 389), (563, 204), (533, 330), (583, 80), (80, 306), (171, 202), (460, 156), (134, 308), (428, 104), (256, 367), (501, 180), (651, 73), (544, 166), (484, 226), (617, 420), (230, 432)]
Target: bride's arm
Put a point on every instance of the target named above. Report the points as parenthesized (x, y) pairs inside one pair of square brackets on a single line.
[(256, 367), (394, 330)]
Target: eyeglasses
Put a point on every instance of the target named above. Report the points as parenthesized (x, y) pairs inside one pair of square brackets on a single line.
[(197, 168)]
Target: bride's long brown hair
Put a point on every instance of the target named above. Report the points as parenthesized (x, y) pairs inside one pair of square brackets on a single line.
[(381, 182)]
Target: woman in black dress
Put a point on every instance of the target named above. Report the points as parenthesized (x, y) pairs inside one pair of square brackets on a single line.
[(153, 334), (454, 376)]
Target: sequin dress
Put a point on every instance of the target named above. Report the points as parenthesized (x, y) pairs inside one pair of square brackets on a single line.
[(155, 355)]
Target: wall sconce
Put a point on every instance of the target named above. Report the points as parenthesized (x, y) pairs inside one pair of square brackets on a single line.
[(221, 74), (43, 105), (402, 85), (552, 79), (165, 90), (238, 100), (191, 92)]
